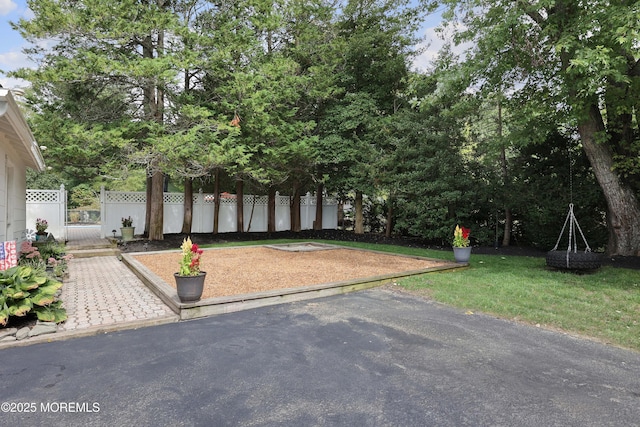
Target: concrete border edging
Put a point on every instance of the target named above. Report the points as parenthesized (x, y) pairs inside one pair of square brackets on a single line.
[(229, 304)]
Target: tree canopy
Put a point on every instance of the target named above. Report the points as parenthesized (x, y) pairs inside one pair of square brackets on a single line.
[(289, 95)]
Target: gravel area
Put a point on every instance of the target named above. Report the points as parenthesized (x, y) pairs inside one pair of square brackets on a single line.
[(246, 270)]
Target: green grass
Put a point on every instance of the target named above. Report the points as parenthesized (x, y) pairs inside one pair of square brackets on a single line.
[(604, 305)]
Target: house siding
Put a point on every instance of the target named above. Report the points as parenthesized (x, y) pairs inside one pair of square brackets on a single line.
[(18, 151), (13, 205), (3, 194)]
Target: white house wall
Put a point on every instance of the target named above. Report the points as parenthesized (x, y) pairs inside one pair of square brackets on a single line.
[(12, 201), (19, 204), (3, 194), (18, 150)]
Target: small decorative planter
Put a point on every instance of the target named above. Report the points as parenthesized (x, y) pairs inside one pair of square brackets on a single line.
[(127, 233), (41, 237), (190, 287), (462, 255)]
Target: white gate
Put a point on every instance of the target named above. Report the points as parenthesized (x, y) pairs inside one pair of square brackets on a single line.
[(50, 205)]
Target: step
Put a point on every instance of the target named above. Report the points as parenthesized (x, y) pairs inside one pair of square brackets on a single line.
[(88, 253), (82, 246)]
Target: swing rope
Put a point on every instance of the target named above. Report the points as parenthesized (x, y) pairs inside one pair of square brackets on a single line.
[(571, 220), (573, 224)]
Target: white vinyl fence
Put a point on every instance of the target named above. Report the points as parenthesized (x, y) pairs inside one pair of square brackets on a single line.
[(116, 205), (50, 205)]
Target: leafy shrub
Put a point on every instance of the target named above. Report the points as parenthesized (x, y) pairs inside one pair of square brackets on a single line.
[(25, 290), (49, 255), (51, 249), (30, 256)]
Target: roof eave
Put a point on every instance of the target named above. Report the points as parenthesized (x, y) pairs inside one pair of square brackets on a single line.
[(25, 143)]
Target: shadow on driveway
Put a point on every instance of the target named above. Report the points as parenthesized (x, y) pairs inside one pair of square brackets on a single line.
[(371, 358)]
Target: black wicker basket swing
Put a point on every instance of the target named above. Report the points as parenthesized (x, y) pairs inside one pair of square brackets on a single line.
[(572, 258)]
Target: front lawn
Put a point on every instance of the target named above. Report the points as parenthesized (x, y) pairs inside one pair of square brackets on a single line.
[(604, 305)]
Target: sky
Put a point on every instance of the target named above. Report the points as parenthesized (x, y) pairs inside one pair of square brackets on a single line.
[(11, 43)]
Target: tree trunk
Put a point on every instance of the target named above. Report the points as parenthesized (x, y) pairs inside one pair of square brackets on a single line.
[(296, 224), (317, 224), (216, 201), (359, 216), (187, 220), (153, 108), (240, 206), (271, 208), (389, 225), (508, 221), (253, 208), (157, 207), (147, 212), (623, 208)]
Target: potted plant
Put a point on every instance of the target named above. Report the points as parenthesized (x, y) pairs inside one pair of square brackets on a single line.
[(461, 248), (41, 229), (127, 229), (190, 280)]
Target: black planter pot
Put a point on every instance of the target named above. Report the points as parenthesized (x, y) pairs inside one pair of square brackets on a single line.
[(190, 287)]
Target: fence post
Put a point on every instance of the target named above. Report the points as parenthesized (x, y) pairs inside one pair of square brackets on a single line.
[(103, 213), (62, 212)]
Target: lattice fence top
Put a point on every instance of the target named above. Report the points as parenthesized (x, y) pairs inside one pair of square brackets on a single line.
[(177, 198), (43, 196), (225, 198), (128, 197), (258, 200), (228, 201), (311, 201), (283, 201)]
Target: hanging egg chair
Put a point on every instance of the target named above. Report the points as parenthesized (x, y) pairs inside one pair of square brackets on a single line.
[(573, 259)]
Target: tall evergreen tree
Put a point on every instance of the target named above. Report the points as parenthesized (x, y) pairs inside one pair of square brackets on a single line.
[(376, 45), (121, 46)]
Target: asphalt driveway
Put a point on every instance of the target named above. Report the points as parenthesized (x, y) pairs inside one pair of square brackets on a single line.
[(371, 358)]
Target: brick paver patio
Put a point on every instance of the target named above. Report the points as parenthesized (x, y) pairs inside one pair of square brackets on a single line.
[(102, 292)]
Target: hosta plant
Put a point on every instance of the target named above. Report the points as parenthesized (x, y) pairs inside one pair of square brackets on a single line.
[(25, 290)]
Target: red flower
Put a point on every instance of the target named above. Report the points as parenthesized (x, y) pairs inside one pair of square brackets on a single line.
[(465, 232), (190, 262)]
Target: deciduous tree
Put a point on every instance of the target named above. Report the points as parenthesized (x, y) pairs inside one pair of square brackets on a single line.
[(579, 59)]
